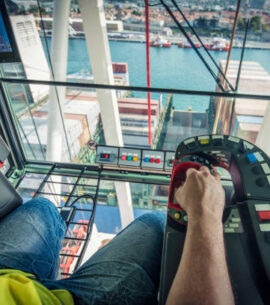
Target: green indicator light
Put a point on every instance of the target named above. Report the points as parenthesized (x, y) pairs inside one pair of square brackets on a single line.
[(129, 158)]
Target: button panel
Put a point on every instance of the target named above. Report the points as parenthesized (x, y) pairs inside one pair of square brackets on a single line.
[(262, 207), (233, 223), (251, 158), (248, 145), (169, 159), (264, 215), (265, 168), (153, 159), (107, 155), (190, 143), (265, 227), (129, 157), (233, 139), (258, 156), (204, 140), (178, 216), (217, 140)]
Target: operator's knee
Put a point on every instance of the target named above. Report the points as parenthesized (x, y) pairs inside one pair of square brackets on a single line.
[(155, 220), (45, 210), (40, 206)]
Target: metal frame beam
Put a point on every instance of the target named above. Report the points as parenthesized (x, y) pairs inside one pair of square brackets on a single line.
[(139, 89), (94, 24)]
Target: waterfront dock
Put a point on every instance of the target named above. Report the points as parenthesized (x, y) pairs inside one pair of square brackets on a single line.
[(206, 40)]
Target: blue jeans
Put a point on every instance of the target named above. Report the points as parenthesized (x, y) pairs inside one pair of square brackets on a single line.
[(125, 271)]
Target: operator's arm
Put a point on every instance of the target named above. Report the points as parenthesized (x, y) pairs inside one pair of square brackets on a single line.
[(202, 276)]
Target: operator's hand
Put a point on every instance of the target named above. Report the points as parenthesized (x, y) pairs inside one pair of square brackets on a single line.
[(202, 195)]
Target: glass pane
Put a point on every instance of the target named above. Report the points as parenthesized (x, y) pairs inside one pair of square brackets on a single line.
[(29, 185), (80, 126), (173, 64), (170, 51)]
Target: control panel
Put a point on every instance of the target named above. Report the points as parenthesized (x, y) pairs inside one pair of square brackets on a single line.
[(153, 159), (239, 157), (233, 223), (107, 155), (135, 157), (246, 218), (129, 157), (169, 159)]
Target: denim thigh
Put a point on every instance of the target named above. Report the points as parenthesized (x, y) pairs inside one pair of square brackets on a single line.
[(30, 238), (125, 271)]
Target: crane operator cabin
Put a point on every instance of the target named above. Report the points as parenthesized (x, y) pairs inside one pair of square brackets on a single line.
[(135, 152)]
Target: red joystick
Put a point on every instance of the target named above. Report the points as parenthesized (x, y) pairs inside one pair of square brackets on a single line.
[(177, 179)]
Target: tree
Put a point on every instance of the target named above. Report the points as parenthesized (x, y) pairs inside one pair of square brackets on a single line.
[(136, 13), (201, 22), (256, 23), (265, 27), (213, 23), (241, 23)]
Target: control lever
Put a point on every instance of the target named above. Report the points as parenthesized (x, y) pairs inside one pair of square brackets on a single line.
[(175, 211)]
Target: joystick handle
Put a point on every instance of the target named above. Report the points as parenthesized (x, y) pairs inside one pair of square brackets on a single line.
[(177, 179)]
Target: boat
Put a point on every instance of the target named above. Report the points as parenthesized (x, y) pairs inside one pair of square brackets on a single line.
[(187, 45), (218, 44), (160, 43)]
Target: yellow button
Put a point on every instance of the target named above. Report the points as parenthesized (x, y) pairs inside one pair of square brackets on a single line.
[(135, 158), (204, 141), (176, 215)]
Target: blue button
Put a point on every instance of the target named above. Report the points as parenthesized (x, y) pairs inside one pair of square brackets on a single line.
[(146, 159), (251, 158)]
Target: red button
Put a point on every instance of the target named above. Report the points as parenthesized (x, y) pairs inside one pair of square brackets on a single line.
[(106, 156), (124, 157), (157, 160), (264, 215), (152, 160)]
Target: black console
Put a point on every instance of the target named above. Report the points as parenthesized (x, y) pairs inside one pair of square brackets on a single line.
[(9, 199), (246, 219)]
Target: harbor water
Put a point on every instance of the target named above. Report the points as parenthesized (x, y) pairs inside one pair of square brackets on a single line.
[(170, 67)]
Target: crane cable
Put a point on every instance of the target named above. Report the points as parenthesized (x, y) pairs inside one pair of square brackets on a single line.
[(216, 78), (204, 47), (219, 106), (233, 34)]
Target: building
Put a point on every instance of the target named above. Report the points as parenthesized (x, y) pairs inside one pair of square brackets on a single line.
[(29, 43), (246, 118), (267, 4), (184, 124), (140, 27), (120, 73), (81, 122), (26, 4), (134, 120), (114, 26), (77, 25)]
